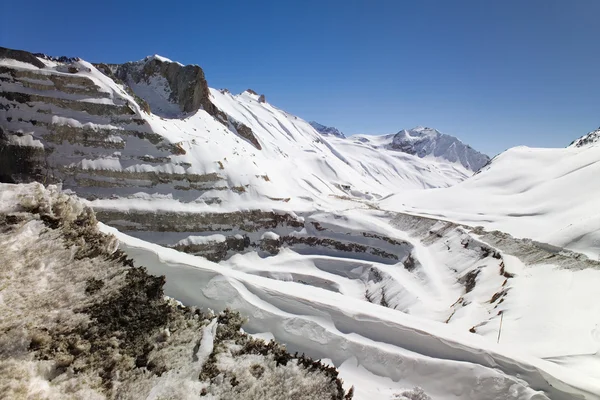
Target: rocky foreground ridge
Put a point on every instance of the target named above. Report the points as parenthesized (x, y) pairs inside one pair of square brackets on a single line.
[(80, 320)]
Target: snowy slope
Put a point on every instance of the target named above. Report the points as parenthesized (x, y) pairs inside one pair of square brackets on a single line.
[(549, 195), (371, 155)]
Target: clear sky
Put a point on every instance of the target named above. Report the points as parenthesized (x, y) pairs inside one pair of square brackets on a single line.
[(494, 73)]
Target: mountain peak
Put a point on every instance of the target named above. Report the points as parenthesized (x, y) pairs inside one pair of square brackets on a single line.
[(589, 139), (327, 130), (423, 142)]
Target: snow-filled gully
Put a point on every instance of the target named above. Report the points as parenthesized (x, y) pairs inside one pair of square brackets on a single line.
[(408, 350)]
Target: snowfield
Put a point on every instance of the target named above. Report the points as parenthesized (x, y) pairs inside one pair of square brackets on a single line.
[(549, 195)]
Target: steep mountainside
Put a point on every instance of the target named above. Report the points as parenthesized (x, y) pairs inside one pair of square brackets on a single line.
[(327, 130)]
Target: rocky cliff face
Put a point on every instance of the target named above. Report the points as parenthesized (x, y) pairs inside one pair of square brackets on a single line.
[(173, 90), (60, 120), (424, 142), (183, 85)]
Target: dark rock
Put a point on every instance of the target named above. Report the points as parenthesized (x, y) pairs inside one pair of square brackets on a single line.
[(470, 280), (19, 164), (188, 85), (245, 132), (262, 99), (20, 55)]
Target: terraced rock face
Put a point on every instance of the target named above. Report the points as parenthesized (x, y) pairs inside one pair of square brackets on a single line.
[(80, 320), (57, 118), (67, 121)]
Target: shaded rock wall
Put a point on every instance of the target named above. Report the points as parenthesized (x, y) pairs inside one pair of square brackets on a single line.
[(189, 88)]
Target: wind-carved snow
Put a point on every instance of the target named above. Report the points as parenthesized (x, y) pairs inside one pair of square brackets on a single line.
[(336, 323)]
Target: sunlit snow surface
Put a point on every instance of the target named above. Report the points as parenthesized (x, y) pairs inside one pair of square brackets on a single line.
[(549, 195)]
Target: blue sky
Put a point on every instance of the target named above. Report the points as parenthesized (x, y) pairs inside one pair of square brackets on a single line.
[(494, 73)]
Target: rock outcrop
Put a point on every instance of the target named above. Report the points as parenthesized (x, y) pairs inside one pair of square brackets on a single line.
[(172, 90), (186, 83), (22, 56), (587, 140), (80, 320)]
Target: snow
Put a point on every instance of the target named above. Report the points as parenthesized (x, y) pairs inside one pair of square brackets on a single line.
[(409, 350), (26, 140), (206, 344), (107, 163), (270, 236), (199, 240), (549, 195), (161, 59), (156, 92)]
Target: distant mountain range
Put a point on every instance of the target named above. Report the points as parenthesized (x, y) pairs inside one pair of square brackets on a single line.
[(421, 142)]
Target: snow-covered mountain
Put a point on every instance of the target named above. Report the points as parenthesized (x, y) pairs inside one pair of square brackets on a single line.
[(207, 150), (327, 130), (421, 142), (424, 142), (372, 253), (589, 139)]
